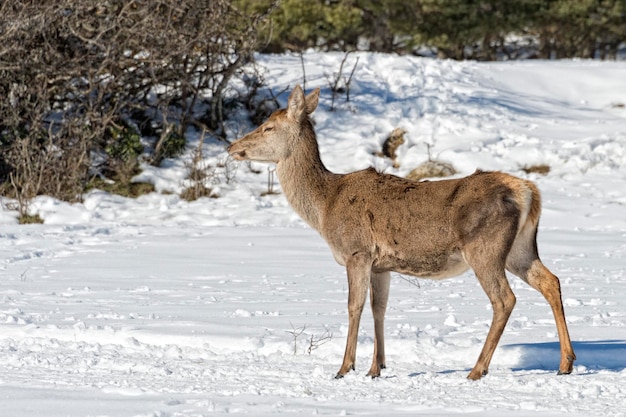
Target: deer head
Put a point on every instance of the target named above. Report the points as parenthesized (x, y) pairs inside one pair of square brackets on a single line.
[(275, 139)]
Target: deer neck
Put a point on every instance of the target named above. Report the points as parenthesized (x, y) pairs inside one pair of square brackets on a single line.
[(305, 180)]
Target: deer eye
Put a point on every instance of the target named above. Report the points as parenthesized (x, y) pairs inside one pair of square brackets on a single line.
[(268, 128)]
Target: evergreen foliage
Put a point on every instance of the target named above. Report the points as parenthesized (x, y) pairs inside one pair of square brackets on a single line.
[(456, 29)]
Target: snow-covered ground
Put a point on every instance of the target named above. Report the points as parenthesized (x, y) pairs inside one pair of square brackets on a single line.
[(160, 307)]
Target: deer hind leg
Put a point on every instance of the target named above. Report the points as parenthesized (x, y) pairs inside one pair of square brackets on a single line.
[(534, 272), (502, 300), (488, 263), (379, 294), (359, 268)]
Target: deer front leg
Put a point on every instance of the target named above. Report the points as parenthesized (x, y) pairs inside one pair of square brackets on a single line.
[(359, 274), (379, 294)]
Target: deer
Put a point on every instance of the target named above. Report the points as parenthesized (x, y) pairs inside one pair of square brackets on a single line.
[(377, 223)]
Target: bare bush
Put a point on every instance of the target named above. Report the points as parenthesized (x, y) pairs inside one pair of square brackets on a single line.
[(314, 341), (81, 80), (335, 82), (200, 176)]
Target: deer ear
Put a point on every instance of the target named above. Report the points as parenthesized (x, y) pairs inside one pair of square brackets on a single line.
[(311, 101), (296, 103)]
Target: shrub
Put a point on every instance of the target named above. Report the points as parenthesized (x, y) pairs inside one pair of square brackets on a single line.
[(200, 176), (82, 79)]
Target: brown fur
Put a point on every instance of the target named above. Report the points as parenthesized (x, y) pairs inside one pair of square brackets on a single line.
[(375, 223)]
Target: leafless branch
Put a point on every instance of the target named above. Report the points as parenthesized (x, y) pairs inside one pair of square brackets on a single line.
[(295, 333), (315, 341)]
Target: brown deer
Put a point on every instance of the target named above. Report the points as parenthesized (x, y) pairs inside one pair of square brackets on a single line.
[(375, 223)]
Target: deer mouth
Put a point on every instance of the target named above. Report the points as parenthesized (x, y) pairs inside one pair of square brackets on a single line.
[(239, 155)]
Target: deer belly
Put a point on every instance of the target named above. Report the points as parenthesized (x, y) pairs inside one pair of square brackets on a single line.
[(433, 266)]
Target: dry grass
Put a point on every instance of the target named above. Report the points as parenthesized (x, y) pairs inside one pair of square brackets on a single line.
[(125, 189), (541, 169), (30, 219), (197, 191), (431, 169)]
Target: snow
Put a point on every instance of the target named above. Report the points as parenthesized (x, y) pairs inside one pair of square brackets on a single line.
[(162, 307)]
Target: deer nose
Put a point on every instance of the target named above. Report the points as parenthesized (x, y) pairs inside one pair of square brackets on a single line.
[(238, 154)]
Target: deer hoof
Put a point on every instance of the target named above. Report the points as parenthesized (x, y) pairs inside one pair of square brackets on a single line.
[(344, 370), (375, 372), (569, 367), (566, 372), (475, 375)]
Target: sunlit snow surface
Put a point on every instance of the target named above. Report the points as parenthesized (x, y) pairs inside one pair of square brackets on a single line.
[(160, 307)]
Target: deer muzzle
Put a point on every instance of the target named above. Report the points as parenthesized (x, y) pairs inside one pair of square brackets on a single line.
[(237, 151)]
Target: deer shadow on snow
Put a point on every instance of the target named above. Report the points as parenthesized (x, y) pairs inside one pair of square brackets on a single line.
[(595, 355)]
